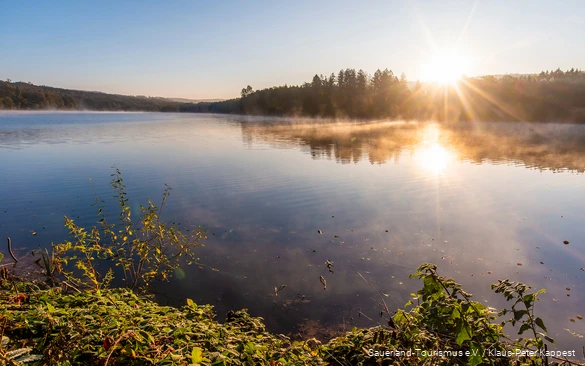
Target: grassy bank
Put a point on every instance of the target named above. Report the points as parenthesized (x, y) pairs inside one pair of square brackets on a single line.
[(116, 327), (61, 326)]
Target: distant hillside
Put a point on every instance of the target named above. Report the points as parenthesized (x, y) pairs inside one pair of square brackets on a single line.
[(26, 96)]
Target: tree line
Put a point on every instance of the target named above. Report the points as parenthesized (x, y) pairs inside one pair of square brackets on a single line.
[(26, 96), (549, 96)]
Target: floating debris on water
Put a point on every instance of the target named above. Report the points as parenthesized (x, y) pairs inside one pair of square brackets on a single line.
[(320, 232), (323, 282), (574, 334), (566, 242), (277, 290), (329, 265)]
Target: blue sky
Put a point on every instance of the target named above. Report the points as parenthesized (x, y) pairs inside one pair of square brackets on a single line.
[(212, 49)]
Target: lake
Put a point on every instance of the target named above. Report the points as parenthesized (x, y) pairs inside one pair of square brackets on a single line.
[(483, 201)]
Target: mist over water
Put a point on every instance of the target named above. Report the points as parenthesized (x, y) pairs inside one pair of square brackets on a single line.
[(483, 201)]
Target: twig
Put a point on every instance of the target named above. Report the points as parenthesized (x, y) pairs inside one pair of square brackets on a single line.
[(2, 334), (378, 292), (338, 361), (71, 287), (113, 302), (10, 250), (128, 333), (347, 317)]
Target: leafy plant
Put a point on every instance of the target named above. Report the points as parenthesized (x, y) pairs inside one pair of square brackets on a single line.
[(442, 325), (143, 249), (118, 327), (446, 316), (48, 260), (523, 311)]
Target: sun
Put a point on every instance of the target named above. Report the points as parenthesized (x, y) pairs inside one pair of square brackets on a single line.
[(445, 67)]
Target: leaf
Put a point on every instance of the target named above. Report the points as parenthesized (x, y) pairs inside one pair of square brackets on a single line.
[(250, 348), (478, 306), (51, 308), (197, 355), (475, 358), (190, 303), (540, 323), (463, 333), (524, 328), (529, 299), (518, 314), (399, 317), (549, 339), (18, 352), (29, 358)]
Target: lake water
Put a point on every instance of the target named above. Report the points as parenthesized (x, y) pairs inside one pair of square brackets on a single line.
[(477, 199)]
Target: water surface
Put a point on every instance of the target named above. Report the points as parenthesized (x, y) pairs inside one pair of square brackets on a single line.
[(484, 201)]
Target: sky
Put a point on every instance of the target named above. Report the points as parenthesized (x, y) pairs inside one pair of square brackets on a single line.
[(212, 49)]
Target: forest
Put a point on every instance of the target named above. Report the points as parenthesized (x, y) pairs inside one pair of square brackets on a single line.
[(549, 96), (26, 96)]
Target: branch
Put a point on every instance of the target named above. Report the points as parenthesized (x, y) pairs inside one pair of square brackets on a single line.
[(10, 250)]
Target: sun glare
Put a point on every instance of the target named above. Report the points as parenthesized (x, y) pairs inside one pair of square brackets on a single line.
[(433, 158), (445, 67), (430, 154)]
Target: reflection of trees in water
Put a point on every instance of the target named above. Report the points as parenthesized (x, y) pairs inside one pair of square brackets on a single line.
[(344, 142), (543, 146)]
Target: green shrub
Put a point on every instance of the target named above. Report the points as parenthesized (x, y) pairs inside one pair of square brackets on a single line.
[(143, 249)]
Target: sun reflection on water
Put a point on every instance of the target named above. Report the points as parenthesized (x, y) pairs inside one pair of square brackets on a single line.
[(434, 157), (430, 154)]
